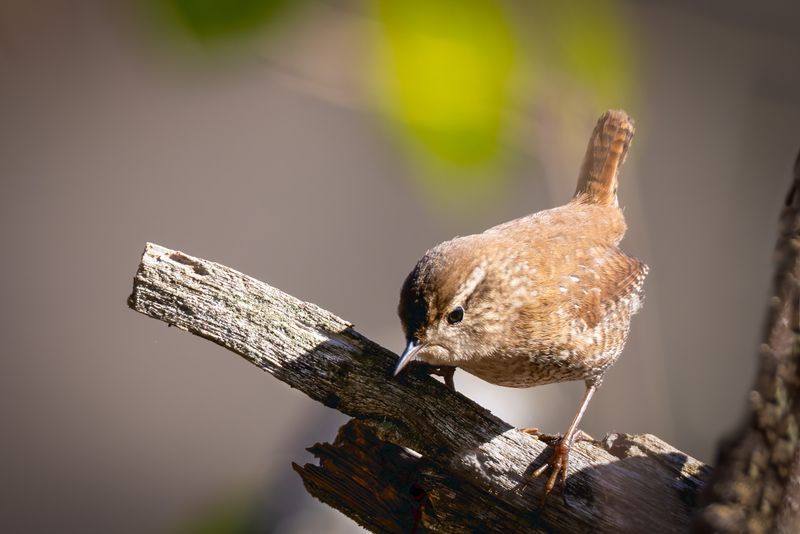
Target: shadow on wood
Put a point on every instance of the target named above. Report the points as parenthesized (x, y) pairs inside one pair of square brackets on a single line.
[(389, 489)]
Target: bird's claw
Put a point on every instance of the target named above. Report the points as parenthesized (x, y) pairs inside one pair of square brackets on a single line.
[(557, 464), (446, 372)]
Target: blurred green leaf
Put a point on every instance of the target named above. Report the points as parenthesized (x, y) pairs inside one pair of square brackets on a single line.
[(207, 20), (591, 42), (444, 71)]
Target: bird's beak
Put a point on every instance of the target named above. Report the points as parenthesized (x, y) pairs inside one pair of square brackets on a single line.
[(411, 350)]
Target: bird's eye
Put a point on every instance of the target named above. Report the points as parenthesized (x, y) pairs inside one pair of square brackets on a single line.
[(456, 315)]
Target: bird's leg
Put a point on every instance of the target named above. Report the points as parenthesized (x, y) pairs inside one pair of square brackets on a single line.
[(447, 372), (559, 460)]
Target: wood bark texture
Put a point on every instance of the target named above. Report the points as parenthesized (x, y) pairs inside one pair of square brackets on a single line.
[(756, 486), (417, 456)]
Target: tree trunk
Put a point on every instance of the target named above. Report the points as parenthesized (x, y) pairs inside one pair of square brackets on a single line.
[(756, 486)]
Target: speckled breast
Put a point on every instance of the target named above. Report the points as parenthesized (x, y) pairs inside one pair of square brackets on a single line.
[(584, 355)]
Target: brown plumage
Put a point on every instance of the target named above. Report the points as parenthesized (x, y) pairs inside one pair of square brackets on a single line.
[(544, 298)]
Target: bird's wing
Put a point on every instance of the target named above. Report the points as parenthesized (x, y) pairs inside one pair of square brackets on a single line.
[(606, 280)]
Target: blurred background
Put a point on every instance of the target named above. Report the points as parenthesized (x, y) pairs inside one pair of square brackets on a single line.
[(322, 146)]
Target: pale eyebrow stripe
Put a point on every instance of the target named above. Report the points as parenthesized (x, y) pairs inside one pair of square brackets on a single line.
[(477, 276)]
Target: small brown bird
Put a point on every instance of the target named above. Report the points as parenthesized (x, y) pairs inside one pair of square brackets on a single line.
[(541, 299)]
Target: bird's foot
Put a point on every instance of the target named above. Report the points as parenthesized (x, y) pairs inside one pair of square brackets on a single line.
[(550, 439), (447, 373), (557, 464)]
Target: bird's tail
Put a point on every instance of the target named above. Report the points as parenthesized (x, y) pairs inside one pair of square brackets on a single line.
[(597, 182)]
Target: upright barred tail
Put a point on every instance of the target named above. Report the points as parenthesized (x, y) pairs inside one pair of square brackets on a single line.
[(597, 182)]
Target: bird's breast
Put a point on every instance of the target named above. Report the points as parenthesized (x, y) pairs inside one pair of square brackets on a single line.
[(527, 371)]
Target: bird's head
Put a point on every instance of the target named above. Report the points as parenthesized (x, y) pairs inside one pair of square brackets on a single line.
[(443, 305)]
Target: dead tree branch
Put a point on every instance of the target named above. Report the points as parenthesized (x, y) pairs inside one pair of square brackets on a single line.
[(469, 468), (472, 466)]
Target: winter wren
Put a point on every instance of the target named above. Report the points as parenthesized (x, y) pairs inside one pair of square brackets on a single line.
[(541, 299)]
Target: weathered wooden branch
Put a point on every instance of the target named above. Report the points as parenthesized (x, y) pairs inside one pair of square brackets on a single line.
[(469, 469), (756, 486)]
